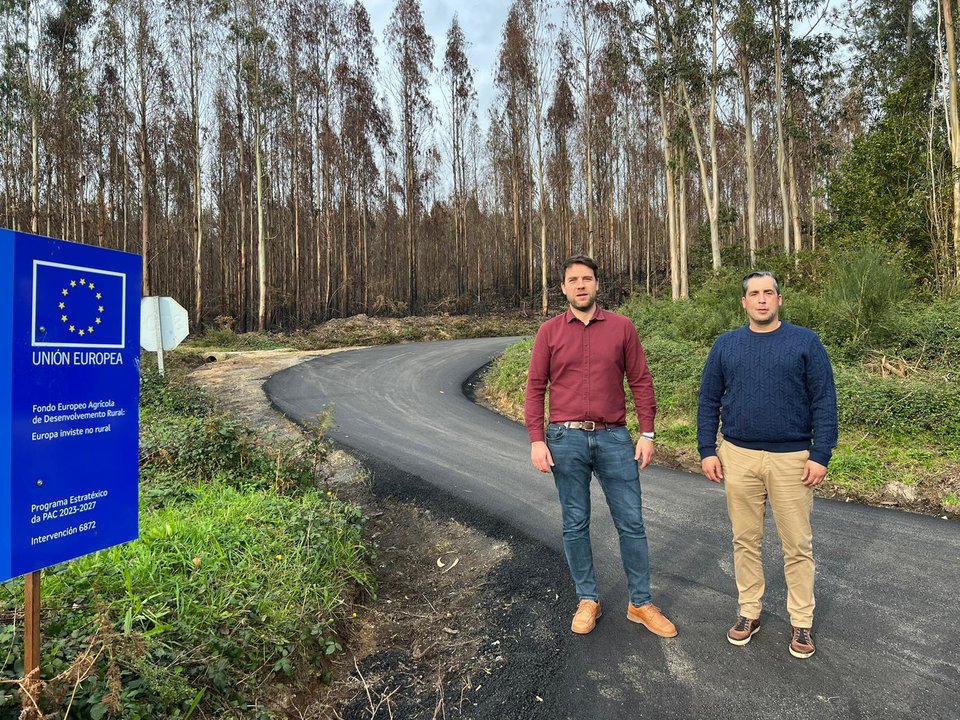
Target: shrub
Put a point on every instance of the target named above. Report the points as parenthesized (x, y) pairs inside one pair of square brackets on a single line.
[(507, 376), (904, 407), (676, 367), (929, 333), (711, 311), (159, 395), (863, 298)]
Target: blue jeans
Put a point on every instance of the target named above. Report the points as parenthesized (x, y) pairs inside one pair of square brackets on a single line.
[(609, 453)]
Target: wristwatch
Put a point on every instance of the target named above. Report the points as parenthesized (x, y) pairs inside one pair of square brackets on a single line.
[(651, 436)]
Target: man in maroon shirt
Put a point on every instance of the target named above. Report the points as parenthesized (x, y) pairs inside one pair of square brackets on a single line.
[(584, 355)]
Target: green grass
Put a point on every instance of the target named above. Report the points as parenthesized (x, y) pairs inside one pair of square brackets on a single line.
[(244, 573)]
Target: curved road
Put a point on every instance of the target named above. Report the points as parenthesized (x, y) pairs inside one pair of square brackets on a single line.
[(888, 583)]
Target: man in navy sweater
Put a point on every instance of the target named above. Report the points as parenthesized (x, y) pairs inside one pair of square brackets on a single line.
[(771, 385)]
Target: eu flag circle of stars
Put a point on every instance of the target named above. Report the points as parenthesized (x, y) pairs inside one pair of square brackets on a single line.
[(73, 326)]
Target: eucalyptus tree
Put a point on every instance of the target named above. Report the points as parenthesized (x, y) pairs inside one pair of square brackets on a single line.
[(390, 267), (660, 78), (293, 30), (322, 33), (514, 80), (461, 98), (780, 18), (19, 113), (747, 40), (611, 112), (885, 39), (561, 120), (586, 33), (952, 102), (499, 193), (783, 16), (894, 184), (34, 95), (816, 111), (412, 50), (363, 128), (150, 87), (629, 71), (541, 42), (110, 76), (189, 33), (687, 40), (64, 28), (256, 47)]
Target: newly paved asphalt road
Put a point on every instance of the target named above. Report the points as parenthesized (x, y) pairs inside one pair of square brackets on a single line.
[(888, 583)]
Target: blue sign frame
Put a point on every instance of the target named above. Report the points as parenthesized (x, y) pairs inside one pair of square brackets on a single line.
[(69, 400)]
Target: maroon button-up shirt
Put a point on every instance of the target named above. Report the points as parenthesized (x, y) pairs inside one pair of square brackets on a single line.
[(584, 365)]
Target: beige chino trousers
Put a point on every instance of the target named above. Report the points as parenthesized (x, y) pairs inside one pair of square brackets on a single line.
[(751, 478)]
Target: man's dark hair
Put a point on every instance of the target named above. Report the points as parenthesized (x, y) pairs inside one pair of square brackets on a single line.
[(579, 260), (759, 274)]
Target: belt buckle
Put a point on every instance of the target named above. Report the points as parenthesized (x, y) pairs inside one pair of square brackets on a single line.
[(588, 425)]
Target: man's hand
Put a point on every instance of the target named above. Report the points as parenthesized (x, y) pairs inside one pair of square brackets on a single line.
[(644, 452), (540, 456), (813, 473), (712, 468)]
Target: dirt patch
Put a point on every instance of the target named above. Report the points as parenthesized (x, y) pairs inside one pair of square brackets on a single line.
[(442, 637)]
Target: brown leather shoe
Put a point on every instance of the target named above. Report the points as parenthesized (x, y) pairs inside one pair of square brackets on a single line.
[(585, 619), (651, 618), (801, 646), (744, 629)]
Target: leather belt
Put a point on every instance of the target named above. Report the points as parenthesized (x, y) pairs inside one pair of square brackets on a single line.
[(589, 425)]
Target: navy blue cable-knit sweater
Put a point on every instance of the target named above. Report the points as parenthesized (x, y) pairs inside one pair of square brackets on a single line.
[(773, 391)]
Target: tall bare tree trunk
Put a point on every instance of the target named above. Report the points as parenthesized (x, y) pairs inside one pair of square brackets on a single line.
[(144, 180), (543, 221), (517, 237), (344, 278), (364, 247), (682, 223), (261, 230), (953, 115), (242, 287), (781, 142), (749, 154), (670, 201), (584, 9), (710, 186), (328, 233), (791, 147), (813, 212), (194, 81), (794, 192), (630, 253), (34, 100)]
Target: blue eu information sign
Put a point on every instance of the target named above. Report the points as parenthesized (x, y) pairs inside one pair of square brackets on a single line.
[(69, 400)]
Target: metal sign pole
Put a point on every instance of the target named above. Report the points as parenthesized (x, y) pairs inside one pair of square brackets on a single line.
[(156, 305), (31, 633)]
